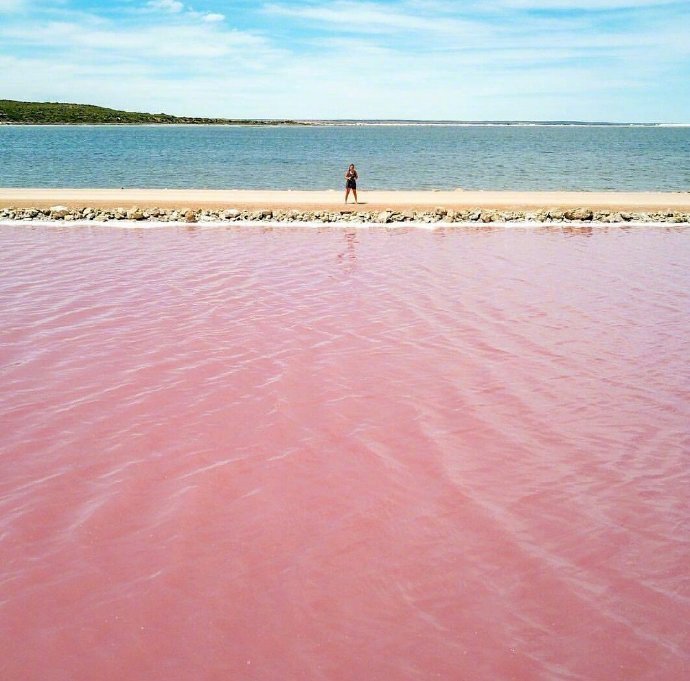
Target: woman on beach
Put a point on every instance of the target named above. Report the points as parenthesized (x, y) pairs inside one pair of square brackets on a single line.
[(351, 182)]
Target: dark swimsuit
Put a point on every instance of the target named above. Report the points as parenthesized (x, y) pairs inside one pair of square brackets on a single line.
[(351, 182)]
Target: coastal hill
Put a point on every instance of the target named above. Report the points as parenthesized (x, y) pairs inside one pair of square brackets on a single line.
[(57, 113)]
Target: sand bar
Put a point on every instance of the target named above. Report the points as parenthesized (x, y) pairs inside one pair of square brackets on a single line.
[(333, 199)]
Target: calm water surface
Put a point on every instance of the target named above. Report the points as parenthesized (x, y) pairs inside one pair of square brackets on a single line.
[(388, 157), (344, 455)]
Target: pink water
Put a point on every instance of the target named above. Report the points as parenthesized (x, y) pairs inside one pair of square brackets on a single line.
[(344, 455)]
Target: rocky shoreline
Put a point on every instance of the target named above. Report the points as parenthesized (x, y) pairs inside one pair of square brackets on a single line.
[(440, 214)]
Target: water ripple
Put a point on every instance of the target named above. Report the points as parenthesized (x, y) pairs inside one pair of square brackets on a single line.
[(345, 454)]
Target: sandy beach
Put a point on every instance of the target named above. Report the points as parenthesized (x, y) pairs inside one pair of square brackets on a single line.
[(333, 199)]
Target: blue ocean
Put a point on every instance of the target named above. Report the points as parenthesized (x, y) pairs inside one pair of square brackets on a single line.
[(391, 156)]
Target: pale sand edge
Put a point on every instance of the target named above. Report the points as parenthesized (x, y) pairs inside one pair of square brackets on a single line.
[(333, 200)]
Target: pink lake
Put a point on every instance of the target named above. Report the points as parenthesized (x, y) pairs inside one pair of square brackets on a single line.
[(360, 455)]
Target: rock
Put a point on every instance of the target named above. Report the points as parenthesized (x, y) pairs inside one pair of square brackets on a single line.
[(578, 214), (383, 217), (58, 212), (511, 216)]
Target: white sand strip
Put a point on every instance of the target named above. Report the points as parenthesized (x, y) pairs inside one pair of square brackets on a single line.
[(333, 200)]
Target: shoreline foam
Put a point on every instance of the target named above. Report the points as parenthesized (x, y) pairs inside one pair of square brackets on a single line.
[(345, 226)]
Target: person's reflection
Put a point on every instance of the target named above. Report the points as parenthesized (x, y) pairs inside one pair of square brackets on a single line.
[(579, 230), (348, 257)]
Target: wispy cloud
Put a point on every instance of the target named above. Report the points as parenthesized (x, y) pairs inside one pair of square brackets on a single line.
[(622, 59), (144, 43), (7, 6), (570, 5), (368, 17), (166, 5), (177, 7)]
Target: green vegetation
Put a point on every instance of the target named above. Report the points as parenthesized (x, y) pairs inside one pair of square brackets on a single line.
[(56, 113)]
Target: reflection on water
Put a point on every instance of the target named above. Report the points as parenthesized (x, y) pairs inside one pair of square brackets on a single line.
[(348, 257), (344, 454)]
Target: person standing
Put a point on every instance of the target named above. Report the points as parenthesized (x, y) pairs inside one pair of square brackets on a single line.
[(351, 182)]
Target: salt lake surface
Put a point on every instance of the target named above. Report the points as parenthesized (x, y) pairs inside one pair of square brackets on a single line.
[(235, 453), (530, 158)]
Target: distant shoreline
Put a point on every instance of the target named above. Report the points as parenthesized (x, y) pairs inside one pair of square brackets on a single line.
[(248, 124), (269, 123), (13, 112)]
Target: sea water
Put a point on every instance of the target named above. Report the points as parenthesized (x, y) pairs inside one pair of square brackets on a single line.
[(419, 156)]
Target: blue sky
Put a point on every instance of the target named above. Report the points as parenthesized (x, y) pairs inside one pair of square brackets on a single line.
[(625, 60)]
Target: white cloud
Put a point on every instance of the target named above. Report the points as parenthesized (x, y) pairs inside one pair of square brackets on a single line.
[(166, 5), (580, 4), (213, 16), (160, 40), (209, 17), (187, 63), (176, 7), (7, 6), (370, 17)]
